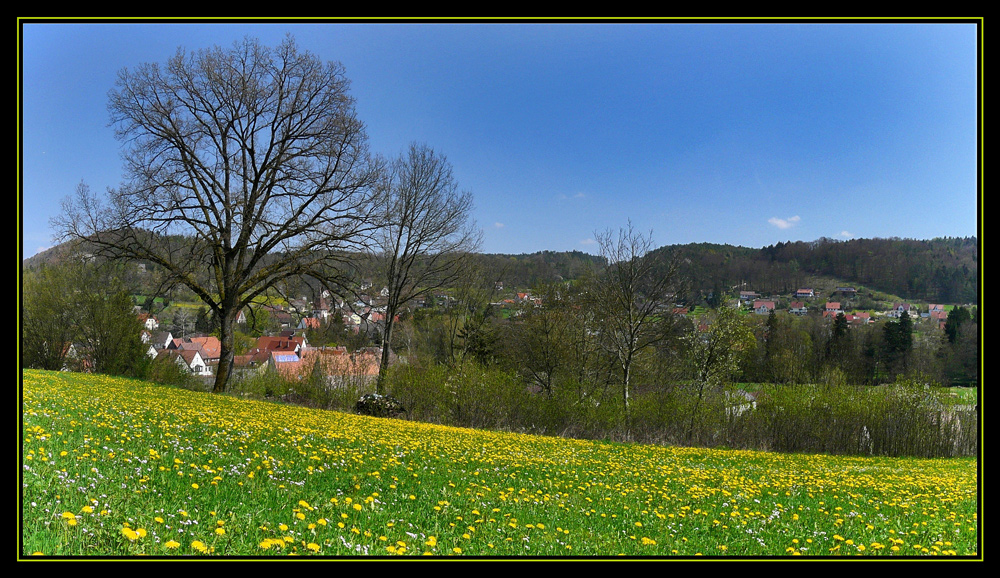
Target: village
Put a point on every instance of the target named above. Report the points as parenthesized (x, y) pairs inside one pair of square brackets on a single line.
[(289, 354)]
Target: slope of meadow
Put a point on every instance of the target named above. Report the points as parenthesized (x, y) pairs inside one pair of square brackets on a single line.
[(115, 467)]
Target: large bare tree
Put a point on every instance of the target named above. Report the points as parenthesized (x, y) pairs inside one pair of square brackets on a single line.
[(243, 167), (426, 235)]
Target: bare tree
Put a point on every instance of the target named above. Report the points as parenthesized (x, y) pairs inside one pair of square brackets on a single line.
[(426, 234), (244, 167), (633, 297)]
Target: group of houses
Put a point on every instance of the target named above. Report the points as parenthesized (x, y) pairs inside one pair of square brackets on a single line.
[(830, 309), (288, 354)]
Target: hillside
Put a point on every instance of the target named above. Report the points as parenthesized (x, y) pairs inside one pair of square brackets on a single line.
[(116, 467), (943, 270)]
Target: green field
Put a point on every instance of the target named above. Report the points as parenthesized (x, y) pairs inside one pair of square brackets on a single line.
[(115, 467)]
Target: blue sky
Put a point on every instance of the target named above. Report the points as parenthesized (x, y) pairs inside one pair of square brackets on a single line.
[(743, 133)]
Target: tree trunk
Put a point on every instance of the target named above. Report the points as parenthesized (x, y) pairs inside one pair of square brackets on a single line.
[(383, 366), (227, 339)]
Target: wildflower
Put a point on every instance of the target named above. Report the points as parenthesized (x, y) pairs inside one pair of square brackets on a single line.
[(199, 546), (172, 545), (313, 546)]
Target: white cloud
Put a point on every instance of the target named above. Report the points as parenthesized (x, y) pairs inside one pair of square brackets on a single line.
[(579, 196), (588, 242), (846, 235), (784, 223), (498, 225)]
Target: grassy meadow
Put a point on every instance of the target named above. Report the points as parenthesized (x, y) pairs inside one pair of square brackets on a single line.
[(115, 467)]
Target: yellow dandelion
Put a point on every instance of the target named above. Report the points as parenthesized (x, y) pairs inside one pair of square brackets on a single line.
[(172, 545)]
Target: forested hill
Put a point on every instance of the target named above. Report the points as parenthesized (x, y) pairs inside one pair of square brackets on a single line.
[(530, 270), (943, 270)]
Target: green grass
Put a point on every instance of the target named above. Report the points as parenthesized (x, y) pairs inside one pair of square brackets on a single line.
[(114, 467)]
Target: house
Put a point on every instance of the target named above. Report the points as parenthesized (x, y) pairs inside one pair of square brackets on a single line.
[(281, 344), (288, 365), (748, 296), (190, 360), (833, 307), (805, 294), (209, 346), (847, 291), (148, 321), (256, 361), (338, 366), (939, 318), (898, 309), (322, 311), (309, 323), (761, 307), (161, 339), (859, 318), (798, 308)]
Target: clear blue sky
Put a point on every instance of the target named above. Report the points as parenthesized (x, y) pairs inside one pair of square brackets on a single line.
[(743, 133)]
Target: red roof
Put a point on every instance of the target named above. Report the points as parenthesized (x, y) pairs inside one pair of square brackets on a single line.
[(286, 344)]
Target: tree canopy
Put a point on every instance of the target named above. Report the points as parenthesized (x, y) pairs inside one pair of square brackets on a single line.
[(244, 167)]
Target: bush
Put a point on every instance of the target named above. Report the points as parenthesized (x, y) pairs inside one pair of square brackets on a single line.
[(167, 371), (378, 405)]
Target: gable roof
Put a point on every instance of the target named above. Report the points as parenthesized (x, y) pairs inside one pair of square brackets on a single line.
[(279, 343)]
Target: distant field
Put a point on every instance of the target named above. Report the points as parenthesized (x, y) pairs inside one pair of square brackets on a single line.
[(114, 467)]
